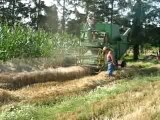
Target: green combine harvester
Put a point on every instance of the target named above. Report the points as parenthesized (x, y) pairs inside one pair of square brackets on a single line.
[(103, 35)]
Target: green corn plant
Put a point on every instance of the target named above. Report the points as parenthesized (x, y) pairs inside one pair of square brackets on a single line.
[(23, 42)]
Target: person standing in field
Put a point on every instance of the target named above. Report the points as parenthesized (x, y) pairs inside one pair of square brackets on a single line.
[(108, 54)]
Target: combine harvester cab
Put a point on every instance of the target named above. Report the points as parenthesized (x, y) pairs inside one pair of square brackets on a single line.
[(102, 35)]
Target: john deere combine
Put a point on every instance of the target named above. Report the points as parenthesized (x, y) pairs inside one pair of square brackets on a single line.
[(94, 38)]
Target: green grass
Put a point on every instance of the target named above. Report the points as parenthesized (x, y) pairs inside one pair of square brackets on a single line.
[(19, 112), (76, 103), (142, 63), (84, 102)]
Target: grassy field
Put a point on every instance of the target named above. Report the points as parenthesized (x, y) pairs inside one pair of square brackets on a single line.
[(132, 95), (123, 100)]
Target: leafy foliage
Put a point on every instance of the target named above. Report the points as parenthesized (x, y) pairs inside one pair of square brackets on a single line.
[(20, 42), (26, 112), (23, 42), (33, 13)]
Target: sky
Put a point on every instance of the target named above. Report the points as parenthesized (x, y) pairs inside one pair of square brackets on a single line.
[(49, 2)]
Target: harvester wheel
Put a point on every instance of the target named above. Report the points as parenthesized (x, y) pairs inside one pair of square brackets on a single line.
[(123, 64)]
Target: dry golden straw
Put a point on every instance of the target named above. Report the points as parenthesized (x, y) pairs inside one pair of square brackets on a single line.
[(17, 80)]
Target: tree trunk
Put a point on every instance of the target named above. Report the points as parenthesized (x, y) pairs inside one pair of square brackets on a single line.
[(13, 11), (135, 52), (38, 13), (63, 16), (3, 12), (112, 1), (87, 6)]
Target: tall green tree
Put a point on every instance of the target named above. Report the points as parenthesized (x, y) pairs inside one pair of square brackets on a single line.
[(145, 18), (42, 16), (49, 21), (136, 34), (13, 11), (143, 14), (35, 12), (65, 12)]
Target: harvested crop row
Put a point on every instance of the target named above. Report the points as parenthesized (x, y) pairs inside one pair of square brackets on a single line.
[(7, 97), (13, 81)]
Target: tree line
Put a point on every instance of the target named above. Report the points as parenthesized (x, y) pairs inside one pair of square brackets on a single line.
[(141, 15), (32, 13), (40, 15)]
